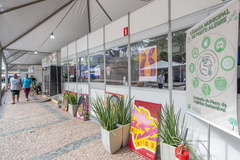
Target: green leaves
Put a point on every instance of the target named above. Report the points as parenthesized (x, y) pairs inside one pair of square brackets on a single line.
[(106, 116), (72, 98), (124, 109), (170, 132), (110, 114)]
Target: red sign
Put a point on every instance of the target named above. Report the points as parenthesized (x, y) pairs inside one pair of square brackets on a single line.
[(143, 131), (125, 31)]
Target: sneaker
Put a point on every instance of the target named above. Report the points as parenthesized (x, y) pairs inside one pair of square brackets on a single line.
[(27, 99)]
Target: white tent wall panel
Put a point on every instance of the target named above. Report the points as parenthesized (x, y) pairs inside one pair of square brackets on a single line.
[(82, 44), (223, 145), (151, 15), (72, 87), (96, 38), (83, 88), (186, 7), (97, 92), (72, 48), (64, 52), (114, 30), (150, 95), (64, 87), (37, 72), (119, 90)]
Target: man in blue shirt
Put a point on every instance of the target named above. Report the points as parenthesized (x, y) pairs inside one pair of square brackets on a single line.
[(26, 82)]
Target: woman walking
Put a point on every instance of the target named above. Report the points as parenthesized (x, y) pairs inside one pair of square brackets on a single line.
[(26, 85), (15, 85)]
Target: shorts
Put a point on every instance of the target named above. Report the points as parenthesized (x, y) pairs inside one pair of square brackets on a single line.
[(15, 92)]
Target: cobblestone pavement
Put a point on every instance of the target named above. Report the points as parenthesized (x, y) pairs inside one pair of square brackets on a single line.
[(33, 130)]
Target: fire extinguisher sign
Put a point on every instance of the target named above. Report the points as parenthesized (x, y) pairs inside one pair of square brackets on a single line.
[(125, 31), (212, 68)]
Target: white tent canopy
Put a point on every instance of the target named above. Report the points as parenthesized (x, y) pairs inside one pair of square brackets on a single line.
[(27, 24)]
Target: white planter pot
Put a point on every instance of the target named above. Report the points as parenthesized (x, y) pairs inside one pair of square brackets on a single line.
[(112, 140), (125, 133), (72, 109), (167, 152)]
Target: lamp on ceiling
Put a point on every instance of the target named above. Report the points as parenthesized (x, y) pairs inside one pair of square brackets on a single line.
[(36, 52), (52, 36)]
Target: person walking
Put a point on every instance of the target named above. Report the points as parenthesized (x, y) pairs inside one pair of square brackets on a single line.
[(161, 79), (15, 85), (26, 85)]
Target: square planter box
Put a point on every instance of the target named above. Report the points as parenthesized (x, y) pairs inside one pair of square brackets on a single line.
[(112, 140), (167, 152), (125, 133), (72, 109)]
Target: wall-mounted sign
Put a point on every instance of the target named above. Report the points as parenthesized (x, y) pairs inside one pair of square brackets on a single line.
[(212, 68), (125, 31), (50, 60)]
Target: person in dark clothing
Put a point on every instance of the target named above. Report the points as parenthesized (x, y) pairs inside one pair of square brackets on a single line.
[(33, 79)]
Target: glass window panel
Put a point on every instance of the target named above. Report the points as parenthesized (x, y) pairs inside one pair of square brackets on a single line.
[(117, 66), (65, 71), (179, 59), (72, 70), (83, 69), (97, 68), (148, 59)]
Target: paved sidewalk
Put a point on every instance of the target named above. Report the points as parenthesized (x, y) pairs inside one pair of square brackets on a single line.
[(32, 130)]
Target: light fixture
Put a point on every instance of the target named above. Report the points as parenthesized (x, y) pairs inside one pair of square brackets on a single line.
[(36, 52), (52, 36)]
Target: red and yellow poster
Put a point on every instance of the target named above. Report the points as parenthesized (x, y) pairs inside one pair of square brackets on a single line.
[(65, 100), (148, 64), (143, 131)]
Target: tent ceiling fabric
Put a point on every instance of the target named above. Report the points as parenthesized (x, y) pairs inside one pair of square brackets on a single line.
[(75, 25)]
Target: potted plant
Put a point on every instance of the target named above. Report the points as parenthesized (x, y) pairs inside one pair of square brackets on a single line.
[(124, 107), (171, 134), (72, 107), (106, 116)]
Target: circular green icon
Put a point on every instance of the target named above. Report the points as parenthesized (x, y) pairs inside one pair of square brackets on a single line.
[(220, 83), (195, 82), (189, 106), (191, 67), (195, 52), (220, 45), (206, 90), (228, 63), (206, 42)]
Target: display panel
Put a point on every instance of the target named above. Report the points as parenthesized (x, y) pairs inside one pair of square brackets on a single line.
[(83, 69), (64, 71), (97, 67), (72, 70), (179, 59), (117, 66), (149, 63)]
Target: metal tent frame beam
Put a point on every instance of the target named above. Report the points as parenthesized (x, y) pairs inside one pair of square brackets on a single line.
[(17, 57), (21, 6), (30, 30), (104, 10)]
